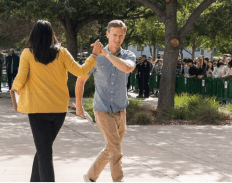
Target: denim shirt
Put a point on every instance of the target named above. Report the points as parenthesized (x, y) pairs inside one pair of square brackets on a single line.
[(110, 83)]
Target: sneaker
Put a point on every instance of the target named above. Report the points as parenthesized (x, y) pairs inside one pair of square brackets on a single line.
[(139, 96), (86, 178)]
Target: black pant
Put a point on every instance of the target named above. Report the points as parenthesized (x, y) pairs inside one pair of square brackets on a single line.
[(128, 83), (143, 82), (11, 77), (45, 127), (0, 76)]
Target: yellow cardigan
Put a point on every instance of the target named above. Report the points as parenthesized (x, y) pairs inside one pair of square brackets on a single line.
[(43, 88)]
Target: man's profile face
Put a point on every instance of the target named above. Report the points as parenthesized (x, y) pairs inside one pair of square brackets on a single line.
[(116, 36), (11, 52), (143, 59), (190, 64), (159, 63)]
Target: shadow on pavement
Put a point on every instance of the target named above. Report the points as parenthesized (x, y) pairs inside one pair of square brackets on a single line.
[(151, 153)]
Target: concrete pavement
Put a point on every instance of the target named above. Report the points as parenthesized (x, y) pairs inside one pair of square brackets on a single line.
[(151, 153)]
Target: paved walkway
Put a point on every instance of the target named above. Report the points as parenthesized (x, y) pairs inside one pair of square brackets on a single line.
[(151, 153)]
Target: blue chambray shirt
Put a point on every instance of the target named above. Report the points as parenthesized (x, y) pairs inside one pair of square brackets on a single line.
[(110, 83)]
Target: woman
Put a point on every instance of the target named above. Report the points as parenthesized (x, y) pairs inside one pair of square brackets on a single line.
[(200, 69), (44, 95), (210, 69), (219, 71)]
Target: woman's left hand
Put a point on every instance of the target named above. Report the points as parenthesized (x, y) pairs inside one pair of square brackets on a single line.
[(17, 91)]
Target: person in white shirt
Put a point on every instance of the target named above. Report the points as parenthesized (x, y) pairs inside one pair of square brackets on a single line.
[(229, 71), (219, 71)]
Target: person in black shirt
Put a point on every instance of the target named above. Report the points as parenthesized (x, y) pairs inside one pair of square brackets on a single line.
[(192, 69), (144, 68), (201, 68), (12, 65)]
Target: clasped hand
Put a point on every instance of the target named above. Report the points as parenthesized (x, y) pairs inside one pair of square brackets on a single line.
[(98, 48)]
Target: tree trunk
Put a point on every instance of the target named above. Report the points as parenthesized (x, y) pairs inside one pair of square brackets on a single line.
[(154, 50), (194, 48), (181, 53), (150, 49), (71, 37), (168, 78)]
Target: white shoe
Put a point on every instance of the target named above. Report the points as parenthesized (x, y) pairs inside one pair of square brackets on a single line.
[(86, 178)]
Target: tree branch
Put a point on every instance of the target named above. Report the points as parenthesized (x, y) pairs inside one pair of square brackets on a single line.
[(188, 27), (155, 8), (188, 51)]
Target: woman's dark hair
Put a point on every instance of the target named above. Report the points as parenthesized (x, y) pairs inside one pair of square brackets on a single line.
[(219, 64), (230, 63), (43, 42)]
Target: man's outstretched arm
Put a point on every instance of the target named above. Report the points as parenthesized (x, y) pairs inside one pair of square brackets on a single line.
[(79, 90)]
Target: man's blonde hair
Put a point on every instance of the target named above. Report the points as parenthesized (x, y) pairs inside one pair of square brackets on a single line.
[(116, 23)]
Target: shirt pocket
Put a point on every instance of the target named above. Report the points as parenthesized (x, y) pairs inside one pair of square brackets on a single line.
[(102, 71)]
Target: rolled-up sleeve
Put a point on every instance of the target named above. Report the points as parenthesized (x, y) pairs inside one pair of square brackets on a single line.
[(131, 57), (23, 70), (73, 67)]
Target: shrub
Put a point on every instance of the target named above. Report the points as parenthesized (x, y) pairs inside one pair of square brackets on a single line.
[(88, 106), (89, 87), (71, 87), (134, 106), (177, 113), (195, 107), (88, 90), (208, 115), (229, 107), (142, 118)]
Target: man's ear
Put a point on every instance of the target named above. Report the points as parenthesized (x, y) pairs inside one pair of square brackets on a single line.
[(107, 34)]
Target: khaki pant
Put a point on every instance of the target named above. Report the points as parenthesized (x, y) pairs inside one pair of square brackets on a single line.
[(113, 128)]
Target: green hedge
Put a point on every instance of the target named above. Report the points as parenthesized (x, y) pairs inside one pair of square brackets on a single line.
[(89, 87)]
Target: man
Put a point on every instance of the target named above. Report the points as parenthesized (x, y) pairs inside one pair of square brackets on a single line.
[(12, 65), (184, 67), (2, 58), (144, 69), (192, 69), (159, 67), (110, 100), (229, 71)]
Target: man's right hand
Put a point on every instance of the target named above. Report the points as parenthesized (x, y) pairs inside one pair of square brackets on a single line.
[(80, 111)]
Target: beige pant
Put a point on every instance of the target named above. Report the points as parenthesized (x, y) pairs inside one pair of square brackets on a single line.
[(113, 128)]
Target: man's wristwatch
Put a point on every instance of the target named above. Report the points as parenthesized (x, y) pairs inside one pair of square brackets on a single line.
[(94, 54), (108, 54)]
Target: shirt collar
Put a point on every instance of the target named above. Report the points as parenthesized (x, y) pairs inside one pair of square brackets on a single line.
[(117, 54)]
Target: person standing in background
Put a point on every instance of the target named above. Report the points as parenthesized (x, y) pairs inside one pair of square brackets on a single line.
[(82, 59), (144, 69), (12, 65), (2, 59)]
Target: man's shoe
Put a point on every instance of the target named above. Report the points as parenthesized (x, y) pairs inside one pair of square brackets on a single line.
[(87, 179), (146, 96), (140, 96)]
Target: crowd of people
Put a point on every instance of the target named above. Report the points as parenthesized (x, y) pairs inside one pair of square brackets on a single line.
[(198, 68), (204, 67)]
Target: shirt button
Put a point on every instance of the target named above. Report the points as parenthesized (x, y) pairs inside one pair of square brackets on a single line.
[(112, 92), (112, 83), (112, 74), (111, 100)]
